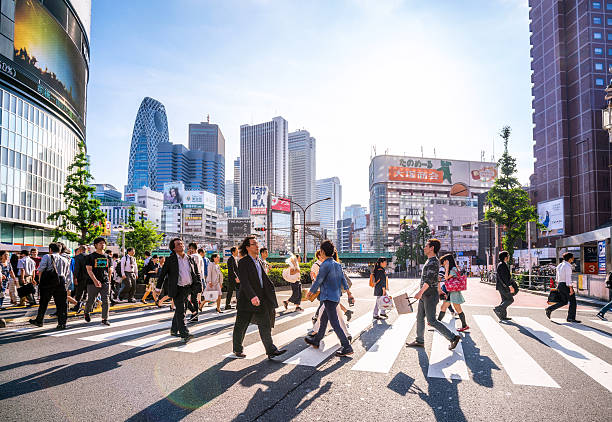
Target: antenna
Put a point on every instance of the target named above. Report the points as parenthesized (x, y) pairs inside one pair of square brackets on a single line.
[(208, 118), (422, 151), (435, 153), (493, 155)]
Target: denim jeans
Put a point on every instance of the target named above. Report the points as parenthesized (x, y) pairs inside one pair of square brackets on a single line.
[(427, 309), (330, 313), (606, 308)]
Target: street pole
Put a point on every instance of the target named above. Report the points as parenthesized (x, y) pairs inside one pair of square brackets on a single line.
[(304, 221), (452, 241)]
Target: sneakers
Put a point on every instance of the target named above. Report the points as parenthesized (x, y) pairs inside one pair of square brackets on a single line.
[(239, 355), (312, 342), (105, 322), (348, 314), (344, 352), (601, 316), (87, 318), (454, 342)]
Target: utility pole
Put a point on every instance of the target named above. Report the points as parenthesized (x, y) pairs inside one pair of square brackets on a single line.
[(452, 239)]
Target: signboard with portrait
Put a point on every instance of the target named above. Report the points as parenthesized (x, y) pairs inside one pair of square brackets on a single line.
[(173, 193), (551, 216), (601, 257), (259, 200)]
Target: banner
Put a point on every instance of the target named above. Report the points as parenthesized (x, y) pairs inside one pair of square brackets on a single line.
[(259, 200), (551, 216), (174, 192), (280, 204)]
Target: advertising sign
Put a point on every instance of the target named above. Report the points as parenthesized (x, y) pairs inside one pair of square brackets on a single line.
[(280, 204), (199, 199), (601, 255), (259, 200), (360, 222), (551, 216), (174, 193), (238, 227)]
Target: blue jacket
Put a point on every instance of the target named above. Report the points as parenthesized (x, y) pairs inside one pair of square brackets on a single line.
[(331, 280)]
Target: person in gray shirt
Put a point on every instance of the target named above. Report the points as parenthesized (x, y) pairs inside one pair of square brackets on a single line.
[(429, 296)]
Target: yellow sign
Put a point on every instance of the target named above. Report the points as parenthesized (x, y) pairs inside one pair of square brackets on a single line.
[(106, 228)]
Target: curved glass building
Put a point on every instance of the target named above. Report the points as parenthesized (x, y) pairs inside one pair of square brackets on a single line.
[(44, 70), (150, 129)]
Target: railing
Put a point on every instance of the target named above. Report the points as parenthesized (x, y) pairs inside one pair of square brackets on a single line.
[(537, 281)]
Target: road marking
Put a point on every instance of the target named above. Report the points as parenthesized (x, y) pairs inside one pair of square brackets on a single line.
[(209, 342), (381, 356), (330, 343), (444, 363), (604, 323), (589, 332), (521, 368), (162, 338), (588, 363), (257, 349)]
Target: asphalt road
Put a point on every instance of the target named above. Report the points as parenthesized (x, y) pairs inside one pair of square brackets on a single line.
[(528, 369)]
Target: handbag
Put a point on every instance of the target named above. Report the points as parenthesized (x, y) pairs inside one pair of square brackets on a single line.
[(372, 282), (385, 302), (26, 290), (553, 297), (291, 278), (211, 295), (315, 296), (456, 284), (403, 304)]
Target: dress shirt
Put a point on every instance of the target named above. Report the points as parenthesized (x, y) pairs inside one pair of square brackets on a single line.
[(61, 264), (128, 265), (258, 266), (199, 264), (564, 273), (184, 270), (27, 266)]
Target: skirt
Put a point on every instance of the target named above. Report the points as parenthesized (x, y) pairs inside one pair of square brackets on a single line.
[(296, 293), (456, 297)]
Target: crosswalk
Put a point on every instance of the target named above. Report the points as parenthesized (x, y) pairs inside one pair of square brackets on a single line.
[(150, 328)]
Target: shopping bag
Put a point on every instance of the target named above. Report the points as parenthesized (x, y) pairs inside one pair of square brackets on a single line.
[(553, 297), (385, 302), (403, 304), (456, 284), (26, 290), (211, 295)]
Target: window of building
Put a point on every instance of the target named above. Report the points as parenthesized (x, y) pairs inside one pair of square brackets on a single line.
[(596, 20), (596, 5), (597, 35), (609, 51), (609, 6), (599, 81), (598, 51), (609, 21), (598, 66)]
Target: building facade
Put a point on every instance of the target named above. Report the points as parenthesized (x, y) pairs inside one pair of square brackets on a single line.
[(151, 200), (571, 51), (150, 130), (229, 193), (237, 183), (444, 191), (264, 158), (42, 118), (302, 169), (105, 192), (207, 137), (344, 235), (330, 211)]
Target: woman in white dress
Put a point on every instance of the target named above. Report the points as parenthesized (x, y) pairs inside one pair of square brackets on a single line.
[(214, 280)]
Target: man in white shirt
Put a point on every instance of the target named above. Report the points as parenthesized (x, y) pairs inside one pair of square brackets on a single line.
[(192, 251), (26, 268), (129, 274), (566, 289)]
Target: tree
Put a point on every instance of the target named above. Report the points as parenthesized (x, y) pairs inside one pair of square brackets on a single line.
[(82, 220), (143, 236), (407, 239), (508, 203), (423, 235)]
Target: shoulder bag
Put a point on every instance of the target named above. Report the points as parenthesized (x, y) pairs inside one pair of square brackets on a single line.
[(456, 284)]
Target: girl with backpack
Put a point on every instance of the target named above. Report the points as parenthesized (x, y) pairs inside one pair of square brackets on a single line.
[(380, 282), (456, 298)]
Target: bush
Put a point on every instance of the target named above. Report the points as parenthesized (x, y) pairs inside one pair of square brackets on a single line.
[(275, 275)]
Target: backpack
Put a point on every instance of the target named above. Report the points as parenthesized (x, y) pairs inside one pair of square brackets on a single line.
[(118, 269), (205, 266), (51, 277)]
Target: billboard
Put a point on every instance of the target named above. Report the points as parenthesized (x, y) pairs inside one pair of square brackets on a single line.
[(432, 171), (238, 227), (199, 199), (551, 216), (280, 204), (174, 193), (259, 200), (50, 56)]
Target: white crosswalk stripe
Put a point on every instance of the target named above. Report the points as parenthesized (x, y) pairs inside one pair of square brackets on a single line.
[(588, 363), (444, 363), (381, 356), (605, 323), (521, 368), (588, 332)]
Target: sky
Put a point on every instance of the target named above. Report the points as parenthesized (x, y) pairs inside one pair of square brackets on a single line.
[(397, 76)]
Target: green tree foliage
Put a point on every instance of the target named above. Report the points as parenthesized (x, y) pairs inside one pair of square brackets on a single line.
[(82, 220), (508, 203), (412, 240), (423, 235), (143, 236)]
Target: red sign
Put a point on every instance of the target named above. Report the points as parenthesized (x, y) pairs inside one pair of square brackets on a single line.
[(419, 175), (280, 204)]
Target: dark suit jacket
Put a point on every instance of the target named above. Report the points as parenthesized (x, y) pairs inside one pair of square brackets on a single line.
[(170, 274), (250, 287), (504, 280), (232, 269)]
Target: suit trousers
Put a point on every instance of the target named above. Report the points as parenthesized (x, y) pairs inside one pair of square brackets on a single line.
[(81, 290), (427, 309), (507, 300), (59, 297), (264, 323), (92, 293), (178, 322), (192, 300), (564, 292), (128, 286), (231, 287)]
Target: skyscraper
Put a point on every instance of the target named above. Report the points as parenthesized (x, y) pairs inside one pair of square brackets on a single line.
[(302, 169), (329, 212), (264, 158), (571, 49), (237, 183), (229, 193), (150, 130), (207, 137)]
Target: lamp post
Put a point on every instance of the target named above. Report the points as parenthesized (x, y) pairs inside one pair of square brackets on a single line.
[(304, 220)]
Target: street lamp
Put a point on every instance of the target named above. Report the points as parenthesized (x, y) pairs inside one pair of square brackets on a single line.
[(304, 220), (122, 229)]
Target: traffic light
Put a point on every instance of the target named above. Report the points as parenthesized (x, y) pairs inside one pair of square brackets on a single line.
[(260, 229)]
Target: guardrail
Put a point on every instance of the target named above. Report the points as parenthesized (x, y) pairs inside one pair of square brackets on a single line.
[(542, 282)]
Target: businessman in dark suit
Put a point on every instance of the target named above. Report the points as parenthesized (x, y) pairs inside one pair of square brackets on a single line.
[(183, 278), (256, 300), (505, 286), (233, 281)]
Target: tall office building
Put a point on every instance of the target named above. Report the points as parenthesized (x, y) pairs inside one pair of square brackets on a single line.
[(207, 137), (329, 212), (150, 130), (264, 158), (105, 192), (237, 183), (198, 170), (44, 55), (302, 169), (571, 51), (229, 193)]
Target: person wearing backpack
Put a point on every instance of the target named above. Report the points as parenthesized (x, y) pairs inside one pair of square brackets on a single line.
[(602, 312), (380, 282), (53, 270), (80, 278)]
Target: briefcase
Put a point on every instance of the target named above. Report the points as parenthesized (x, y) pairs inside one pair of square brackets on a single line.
[(403, 304), (553, 297), (26, 290)]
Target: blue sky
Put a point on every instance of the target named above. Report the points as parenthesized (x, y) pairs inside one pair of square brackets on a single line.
[(399, 75)]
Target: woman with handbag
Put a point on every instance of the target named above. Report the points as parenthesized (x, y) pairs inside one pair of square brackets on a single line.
[(292, 275), (380, 283), (454, 297), (214, 279), (6, 274)]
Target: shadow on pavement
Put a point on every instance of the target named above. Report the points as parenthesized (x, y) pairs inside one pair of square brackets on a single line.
[(481, 366), (547, 336)]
